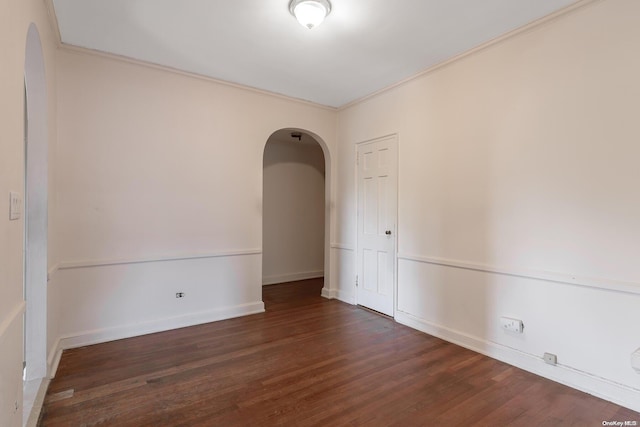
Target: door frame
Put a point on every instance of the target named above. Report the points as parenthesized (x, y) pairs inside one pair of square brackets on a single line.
[(395, 140)]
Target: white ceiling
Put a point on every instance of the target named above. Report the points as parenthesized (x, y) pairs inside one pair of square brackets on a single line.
[(362, 47)]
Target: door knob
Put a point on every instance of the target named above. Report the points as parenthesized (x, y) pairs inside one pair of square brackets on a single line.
[(388, 232)]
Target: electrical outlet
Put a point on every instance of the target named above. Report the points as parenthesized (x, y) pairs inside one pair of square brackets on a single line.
[(512, 325), (550, 358), (15, 206), (179, 294)]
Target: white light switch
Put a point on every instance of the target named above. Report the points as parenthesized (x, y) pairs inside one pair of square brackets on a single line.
[(15, 205)]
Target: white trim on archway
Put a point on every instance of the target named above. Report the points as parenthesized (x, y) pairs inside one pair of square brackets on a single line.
[(36, 216)]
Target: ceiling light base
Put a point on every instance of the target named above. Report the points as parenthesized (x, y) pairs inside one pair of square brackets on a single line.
[(310, 13)]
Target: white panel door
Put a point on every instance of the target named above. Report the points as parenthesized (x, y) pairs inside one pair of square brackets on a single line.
[(377, 210)]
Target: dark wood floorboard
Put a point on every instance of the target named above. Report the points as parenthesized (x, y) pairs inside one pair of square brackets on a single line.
[(307, 361)]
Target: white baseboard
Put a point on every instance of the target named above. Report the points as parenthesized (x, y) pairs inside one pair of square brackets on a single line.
[(53, 360), (343, 296), (34, 395), (328, 293), (583, 381), (111, 334), (291, 277), (339, 295)]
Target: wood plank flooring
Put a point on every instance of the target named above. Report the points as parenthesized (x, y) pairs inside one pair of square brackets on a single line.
[(307, 361)]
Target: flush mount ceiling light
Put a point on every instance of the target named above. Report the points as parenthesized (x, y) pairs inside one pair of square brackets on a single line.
[(310, 13)]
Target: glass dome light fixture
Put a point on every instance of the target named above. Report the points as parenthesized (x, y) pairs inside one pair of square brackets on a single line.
[(310, 13)]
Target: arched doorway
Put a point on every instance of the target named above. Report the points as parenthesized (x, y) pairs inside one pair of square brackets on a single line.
[(296, 202), (36, 215)]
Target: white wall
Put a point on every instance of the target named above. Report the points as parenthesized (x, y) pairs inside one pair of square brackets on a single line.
[(518, 196), (13, 33), (293, 211), (160, 191)]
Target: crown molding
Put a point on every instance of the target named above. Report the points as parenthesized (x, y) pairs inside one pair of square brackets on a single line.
[(64, 47)]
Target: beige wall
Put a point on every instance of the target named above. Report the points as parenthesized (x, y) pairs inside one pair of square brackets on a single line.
[(293, 211), (521, 158), (17, 16), (160, 191)]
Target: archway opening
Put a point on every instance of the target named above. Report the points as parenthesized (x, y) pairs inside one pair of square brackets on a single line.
[(35, 210), (295, 211)]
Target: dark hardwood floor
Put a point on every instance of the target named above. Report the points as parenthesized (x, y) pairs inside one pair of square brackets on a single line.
[(306, 361)]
